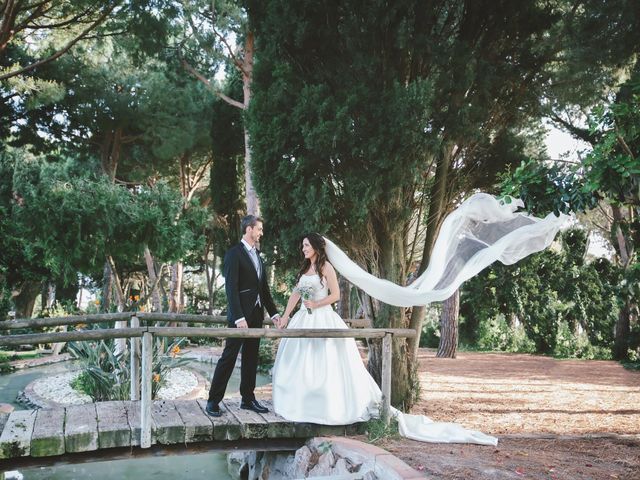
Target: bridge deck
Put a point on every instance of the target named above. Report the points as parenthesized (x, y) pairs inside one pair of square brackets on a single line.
[(103, 425)]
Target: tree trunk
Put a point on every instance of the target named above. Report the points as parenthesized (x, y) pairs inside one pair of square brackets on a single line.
[(622, 332), (25, 300), (253, 204), (344, 304), (106, 288), (175, 291), (120, 343), (110, 152), (66, 294), (156, 302), (391, 265), (449, 327), (437, 210), (47, 297), (624, 250), (211, 279)]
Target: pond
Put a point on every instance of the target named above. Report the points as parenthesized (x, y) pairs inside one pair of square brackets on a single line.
[(194, 467), (203, 466)]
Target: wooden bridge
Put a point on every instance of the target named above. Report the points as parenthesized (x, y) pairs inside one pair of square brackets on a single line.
[(29, 436), (81, 430)]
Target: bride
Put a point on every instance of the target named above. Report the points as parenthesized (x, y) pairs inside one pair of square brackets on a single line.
[(323, 380), (320, 380)]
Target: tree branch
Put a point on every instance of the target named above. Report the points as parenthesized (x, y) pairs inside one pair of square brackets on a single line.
[(624, 145), (581, 133), (65, 49), (210, 86), (58, 25), (233, 56)]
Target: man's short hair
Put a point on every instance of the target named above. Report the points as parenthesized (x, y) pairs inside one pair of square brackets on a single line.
[(249, 221)]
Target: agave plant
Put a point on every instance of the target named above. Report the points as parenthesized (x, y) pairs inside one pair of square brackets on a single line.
[(106, 375)]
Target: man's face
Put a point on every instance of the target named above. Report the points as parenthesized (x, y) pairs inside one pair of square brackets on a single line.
[(255, 232)]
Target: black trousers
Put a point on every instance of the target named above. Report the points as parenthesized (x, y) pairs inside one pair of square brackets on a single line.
[(249, 367)]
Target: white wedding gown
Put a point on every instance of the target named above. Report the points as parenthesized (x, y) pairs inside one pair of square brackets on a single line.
[(323, 380)]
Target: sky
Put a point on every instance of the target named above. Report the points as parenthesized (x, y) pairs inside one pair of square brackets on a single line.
[(562, 145)]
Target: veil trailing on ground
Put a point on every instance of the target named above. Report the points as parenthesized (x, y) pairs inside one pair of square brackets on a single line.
[(480, 231)]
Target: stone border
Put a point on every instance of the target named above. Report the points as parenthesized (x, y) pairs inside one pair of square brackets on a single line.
[(386, 466), (322, 457)]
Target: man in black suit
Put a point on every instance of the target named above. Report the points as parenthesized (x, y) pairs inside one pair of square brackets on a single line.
[(247, 296)]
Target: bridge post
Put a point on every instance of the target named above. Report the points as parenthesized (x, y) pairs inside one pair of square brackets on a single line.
[(145, 401), (135, 361), (386, 377)]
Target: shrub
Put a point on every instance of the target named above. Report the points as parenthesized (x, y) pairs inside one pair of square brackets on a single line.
[(5, 366), (106, 376), (577, 345), (267, 354)]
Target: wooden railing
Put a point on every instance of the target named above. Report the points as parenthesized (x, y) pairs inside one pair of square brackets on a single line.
[(141, 344)]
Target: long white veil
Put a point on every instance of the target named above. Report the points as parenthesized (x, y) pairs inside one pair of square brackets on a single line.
[(479, 232)]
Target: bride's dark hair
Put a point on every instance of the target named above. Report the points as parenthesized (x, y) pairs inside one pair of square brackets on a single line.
[(317, 242)]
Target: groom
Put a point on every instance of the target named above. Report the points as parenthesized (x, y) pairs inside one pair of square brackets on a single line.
[(247, 296)]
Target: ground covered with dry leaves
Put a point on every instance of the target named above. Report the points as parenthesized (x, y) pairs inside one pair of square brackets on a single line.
[(555, 419)]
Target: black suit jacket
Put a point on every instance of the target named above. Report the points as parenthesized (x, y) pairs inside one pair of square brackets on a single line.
[(243, 286)]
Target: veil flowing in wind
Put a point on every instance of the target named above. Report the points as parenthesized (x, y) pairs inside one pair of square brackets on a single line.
[(482, 230)]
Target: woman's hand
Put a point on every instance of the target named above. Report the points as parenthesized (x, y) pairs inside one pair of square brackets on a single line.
[(284, 321), (310, 304)]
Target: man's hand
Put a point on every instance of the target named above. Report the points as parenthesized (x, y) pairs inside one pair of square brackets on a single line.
[(242, 324), (276, 320)]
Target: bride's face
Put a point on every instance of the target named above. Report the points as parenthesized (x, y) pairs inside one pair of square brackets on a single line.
[(307, 250)]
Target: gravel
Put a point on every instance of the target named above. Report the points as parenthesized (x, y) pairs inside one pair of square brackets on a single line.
[(58, 388)]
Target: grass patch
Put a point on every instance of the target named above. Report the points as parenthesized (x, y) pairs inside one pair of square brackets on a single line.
[(376, 430)]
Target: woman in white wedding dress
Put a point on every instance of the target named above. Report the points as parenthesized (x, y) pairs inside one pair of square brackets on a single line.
[(324, 380), (320, 380)]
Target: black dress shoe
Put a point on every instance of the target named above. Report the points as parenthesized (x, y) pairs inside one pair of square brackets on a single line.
[(213, 409), (253, 405)]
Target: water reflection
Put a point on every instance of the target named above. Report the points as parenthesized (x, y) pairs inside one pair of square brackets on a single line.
[(204, 466)]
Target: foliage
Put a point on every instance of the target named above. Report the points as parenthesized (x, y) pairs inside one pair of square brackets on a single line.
[(552, 302), (106, 376), (62, 223), (495, 334), (430, 336), (5, 366), (267, 354), (376, 430), (548, 188), (227, 171), (611, 171)]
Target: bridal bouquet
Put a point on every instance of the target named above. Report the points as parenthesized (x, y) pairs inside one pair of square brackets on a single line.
[(306, 292)]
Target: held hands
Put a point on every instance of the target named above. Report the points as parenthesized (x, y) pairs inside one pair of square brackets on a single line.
[(242, 324), (282, 322)]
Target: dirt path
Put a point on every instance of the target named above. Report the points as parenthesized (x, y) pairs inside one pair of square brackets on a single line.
[(555, 419)]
